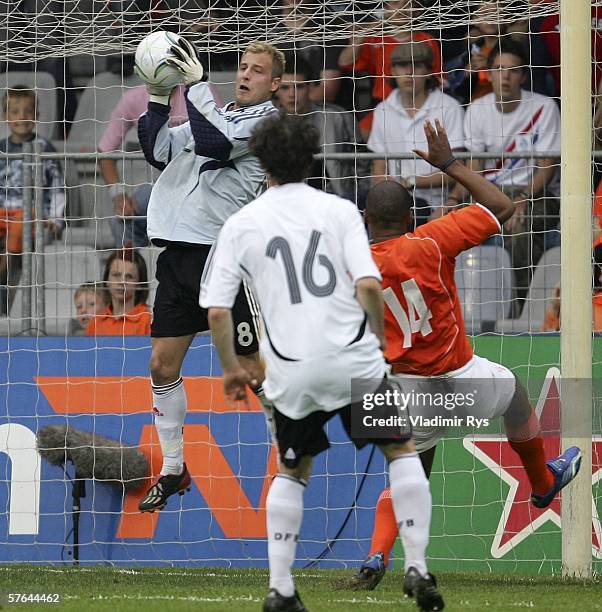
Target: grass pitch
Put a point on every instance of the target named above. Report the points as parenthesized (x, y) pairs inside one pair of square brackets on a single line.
[(160, 589)]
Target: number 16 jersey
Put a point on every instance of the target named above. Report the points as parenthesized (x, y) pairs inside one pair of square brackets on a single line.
[(302, 250), (423, 318)]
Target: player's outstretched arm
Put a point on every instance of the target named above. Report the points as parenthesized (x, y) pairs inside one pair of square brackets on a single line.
[(440, 155), (370, 295)]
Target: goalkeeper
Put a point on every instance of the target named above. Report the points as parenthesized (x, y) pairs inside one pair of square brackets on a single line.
[(208, 174)]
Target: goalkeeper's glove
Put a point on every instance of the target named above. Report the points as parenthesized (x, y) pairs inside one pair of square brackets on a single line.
[(156, 93), (184, 59)]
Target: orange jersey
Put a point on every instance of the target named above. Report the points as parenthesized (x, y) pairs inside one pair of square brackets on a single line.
[(423, 318), (136, 322)]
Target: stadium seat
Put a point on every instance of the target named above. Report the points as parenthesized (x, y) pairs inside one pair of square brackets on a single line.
[(65, 268), (45, 87), (98, 100), (484, 279), (545, 278)]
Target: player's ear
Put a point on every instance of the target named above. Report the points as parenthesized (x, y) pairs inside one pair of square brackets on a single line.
[(275, 84)]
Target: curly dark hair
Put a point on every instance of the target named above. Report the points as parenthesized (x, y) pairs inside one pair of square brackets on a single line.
[(285, 145)]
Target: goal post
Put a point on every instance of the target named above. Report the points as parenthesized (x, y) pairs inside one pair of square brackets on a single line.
[(576, 280)]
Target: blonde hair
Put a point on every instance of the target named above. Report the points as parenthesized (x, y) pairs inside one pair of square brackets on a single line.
[(276, 55)]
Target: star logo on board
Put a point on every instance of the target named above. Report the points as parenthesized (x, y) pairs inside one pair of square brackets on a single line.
[(519, 517)]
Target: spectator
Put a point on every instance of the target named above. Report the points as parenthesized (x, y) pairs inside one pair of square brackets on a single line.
[(125, 282), (372, 54), (398, 127), (338, 133), (20, 113), (467, 74), (552, 316), (550, 32), (44, 34), (89, 300), (129, 224), (512, 119), (300, 21)]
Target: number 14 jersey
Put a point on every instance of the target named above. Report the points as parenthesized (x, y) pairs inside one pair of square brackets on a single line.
[(423, 318)]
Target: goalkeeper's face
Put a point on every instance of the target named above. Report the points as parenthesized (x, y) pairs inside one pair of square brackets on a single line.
[(254, 80)]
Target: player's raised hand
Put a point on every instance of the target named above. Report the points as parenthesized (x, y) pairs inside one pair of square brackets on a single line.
[(235, 384), (186, 61), (439, 154)]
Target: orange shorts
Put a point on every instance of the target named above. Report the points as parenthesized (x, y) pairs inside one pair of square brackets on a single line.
[(11, 229)]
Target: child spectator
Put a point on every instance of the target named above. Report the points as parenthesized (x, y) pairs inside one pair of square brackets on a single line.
[(89, 300), (20, 113), (125, 283)]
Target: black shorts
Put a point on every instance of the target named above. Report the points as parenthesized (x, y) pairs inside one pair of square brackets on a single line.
[(306, 436), (177, 312)]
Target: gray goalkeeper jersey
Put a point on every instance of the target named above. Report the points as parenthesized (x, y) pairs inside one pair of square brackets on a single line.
[(208, 172)]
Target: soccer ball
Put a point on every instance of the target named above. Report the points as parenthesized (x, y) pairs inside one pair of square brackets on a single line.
[(151, 55)]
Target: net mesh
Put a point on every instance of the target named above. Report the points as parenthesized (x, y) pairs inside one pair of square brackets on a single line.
[(77, 57)]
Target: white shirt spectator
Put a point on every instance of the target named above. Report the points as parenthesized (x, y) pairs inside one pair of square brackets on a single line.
[(533, 126), (395, 131)]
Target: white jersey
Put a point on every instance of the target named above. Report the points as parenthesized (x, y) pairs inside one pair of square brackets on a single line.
[(395, 131), (208, 172), (302, 250), (533, 126)]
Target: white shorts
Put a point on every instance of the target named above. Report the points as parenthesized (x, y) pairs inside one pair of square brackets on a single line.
[(299, 388), (494, 382)]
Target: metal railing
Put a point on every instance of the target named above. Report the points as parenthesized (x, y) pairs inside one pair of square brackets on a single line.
[(33, 302)]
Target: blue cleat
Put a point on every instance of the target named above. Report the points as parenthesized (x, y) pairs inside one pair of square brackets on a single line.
[(564, 468), (371, 573)]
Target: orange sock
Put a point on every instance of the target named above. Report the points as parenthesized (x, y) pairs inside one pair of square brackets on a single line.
[(533, 458), (385, 526)]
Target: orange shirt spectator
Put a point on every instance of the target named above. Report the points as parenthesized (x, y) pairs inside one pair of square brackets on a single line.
[(135, 322), (125, 282), (552, 317)]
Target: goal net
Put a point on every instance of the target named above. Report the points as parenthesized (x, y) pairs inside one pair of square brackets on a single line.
[(82, 185)]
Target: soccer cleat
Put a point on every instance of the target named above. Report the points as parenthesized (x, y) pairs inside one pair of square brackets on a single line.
[(428, 598), (564, 468), (274, 602), (370, 574), (410, 580), (156, 496)]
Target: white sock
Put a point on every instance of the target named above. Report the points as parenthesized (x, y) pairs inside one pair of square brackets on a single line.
[(284, 509), (169, 408), (412, 505)]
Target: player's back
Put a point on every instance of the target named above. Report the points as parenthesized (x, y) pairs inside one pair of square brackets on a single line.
[(423, 318), (303, 249)]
